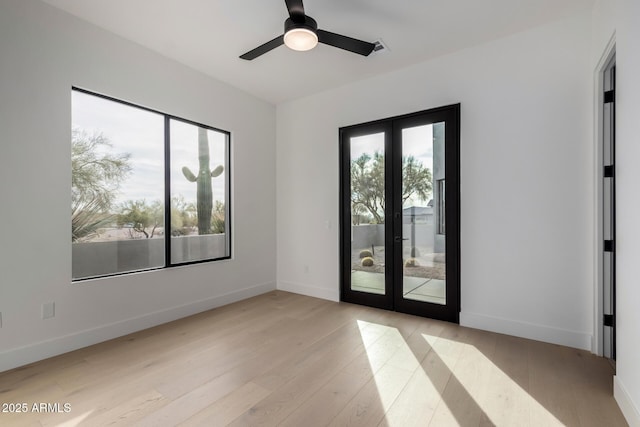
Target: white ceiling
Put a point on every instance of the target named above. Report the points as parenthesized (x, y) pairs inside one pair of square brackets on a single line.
[(209, 35)]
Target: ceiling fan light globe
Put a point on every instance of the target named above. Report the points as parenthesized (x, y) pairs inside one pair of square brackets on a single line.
[(300, 39)]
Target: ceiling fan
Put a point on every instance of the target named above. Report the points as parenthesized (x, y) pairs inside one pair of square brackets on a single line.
[(301, 33)]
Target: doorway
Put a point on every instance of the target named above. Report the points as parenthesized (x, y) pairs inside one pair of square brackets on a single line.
[(609, 209), (400, 213)]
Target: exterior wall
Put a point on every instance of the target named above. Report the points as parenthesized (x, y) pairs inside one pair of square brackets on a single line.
[(363, 236), (102, 258)]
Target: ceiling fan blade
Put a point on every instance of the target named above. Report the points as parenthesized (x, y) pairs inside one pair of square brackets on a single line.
[(347, 43), (296, 10), (261, 50)]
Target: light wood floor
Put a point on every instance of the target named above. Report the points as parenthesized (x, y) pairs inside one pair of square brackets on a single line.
[(286, 359)]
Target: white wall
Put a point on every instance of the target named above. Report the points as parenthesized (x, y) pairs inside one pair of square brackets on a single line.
[(621, 18), (526, 178), (628, 226), (43, 52)]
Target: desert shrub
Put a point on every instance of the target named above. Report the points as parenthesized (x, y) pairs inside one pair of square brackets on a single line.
[(365, 253), (411, 262), (367, 261), (182, 231)]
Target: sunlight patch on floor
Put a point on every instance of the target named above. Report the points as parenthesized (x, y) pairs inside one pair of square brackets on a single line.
[(392, 364), (416, 384), (501, 397)]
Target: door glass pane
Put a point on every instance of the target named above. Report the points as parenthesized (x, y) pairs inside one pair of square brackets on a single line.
[(367, 213), (423, 213)]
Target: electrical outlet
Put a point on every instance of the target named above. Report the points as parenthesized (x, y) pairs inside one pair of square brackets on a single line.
[(48, 310)]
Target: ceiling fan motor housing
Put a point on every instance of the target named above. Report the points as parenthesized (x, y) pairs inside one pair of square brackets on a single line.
[(300, 33), (308, 24)]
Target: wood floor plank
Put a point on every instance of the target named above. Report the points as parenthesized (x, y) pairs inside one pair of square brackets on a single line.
[(225, 410), (39, 393), (286, 359), (331, 398), (291, 394), (595, 405), (416, 404), (507, 400), (187, 405), (419, 399), (467, 386), (369, 405), (550, 386), (344, 339), (128, 412)]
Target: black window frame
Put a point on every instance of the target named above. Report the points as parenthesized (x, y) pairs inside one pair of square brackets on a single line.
[(167, 188)]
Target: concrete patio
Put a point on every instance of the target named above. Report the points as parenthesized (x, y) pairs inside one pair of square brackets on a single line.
[(413, 288)]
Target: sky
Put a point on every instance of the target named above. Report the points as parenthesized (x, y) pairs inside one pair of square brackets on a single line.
[(416, 141), (141, 134)]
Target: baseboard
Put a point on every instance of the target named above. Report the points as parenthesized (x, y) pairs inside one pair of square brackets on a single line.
[(628, 408), (14, 358), (311, 291), (532, 331)]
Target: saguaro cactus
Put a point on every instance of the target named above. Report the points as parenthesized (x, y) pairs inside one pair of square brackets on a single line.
[(203, 180)]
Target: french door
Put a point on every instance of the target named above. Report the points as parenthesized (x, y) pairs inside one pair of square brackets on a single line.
[(400, 213)]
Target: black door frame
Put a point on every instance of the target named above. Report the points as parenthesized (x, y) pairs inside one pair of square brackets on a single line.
[(392, 129), (609, 178)]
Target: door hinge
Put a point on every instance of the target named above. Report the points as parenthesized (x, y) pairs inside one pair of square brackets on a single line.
[(609, 246), (608, 320), (609, 171), (610, 96)]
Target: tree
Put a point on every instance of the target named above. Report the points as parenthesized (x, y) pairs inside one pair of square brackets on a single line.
[(96, 176), (368, 183), (416, 180), (184, 216), (357, 211), (141, 217)]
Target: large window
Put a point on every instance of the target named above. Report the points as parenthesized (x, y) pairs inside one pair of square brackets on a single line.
[(149, 190)]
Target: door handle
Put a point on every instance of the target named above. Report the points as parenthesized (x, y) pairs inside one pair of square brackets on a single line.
[(400, 239)]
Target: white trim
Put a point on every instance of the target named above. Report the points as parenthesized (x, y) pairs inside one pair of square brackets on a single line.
[(532, 331), (629, 410), (311, 291), (597, 346), (42, 350)]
